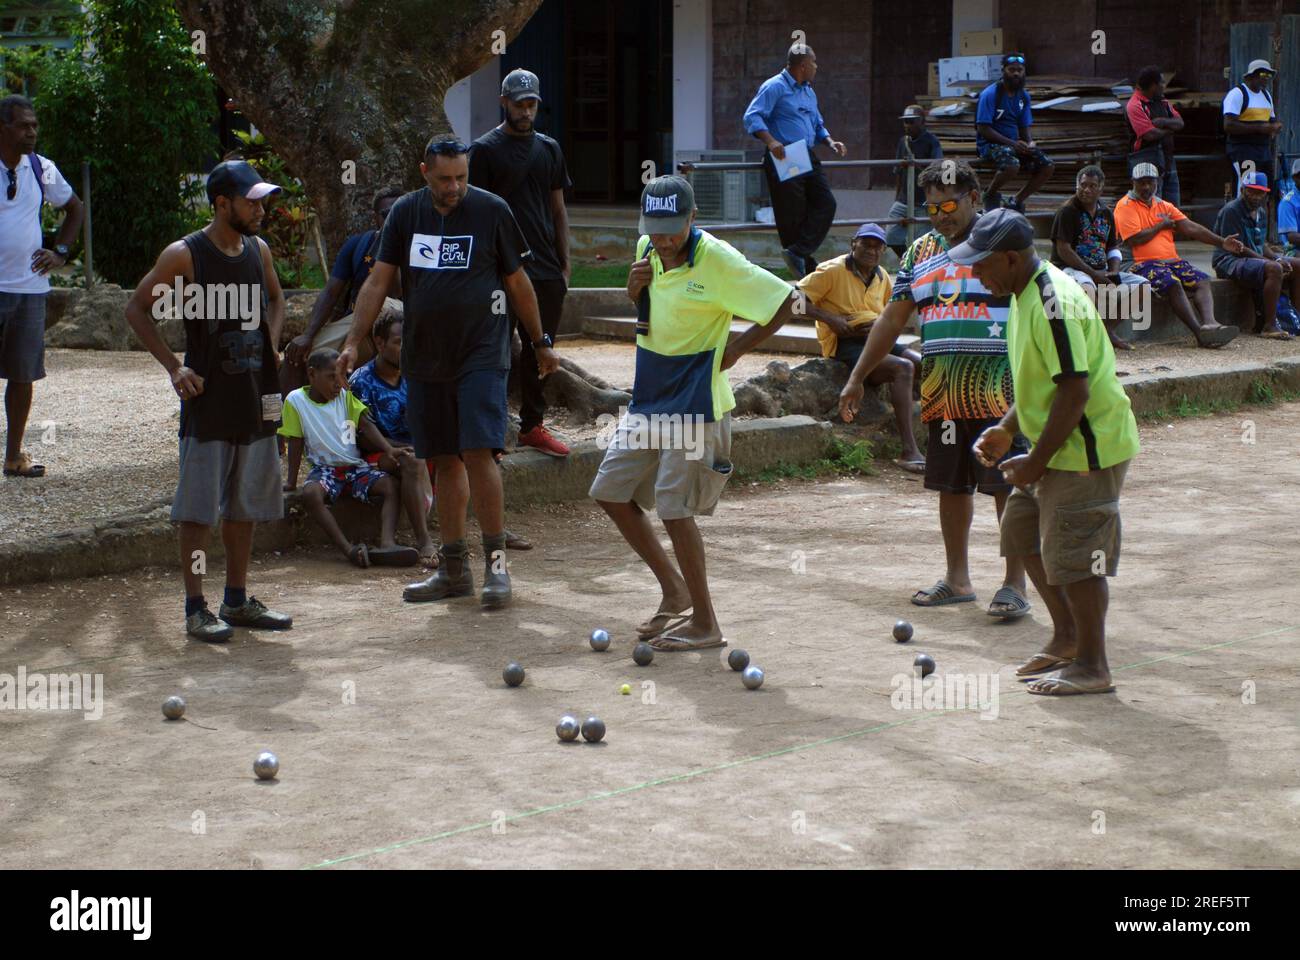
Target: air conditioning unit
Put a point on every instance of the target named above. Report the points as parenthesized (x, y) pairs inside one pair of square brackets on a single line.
[(723, 196)]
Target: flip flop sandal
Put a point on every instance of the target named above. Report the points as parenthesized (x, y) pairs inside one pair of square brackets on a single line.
[(25, 468), (1067, 688), (662, 623), (941, 595), (394, 556), (671, 644), (430, 559), (359, 555), (911, 466), (1053, 663), (1007, 595), (1216, 336), (1276, 335), (516, 542)]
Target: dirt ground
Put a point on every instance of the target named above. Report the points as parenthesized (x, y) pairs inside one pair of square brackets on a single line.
[(438, 763), (104, 424)]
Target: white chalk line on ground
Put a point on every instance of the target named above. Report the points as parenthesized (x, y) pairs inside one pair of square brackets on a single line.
[(704, 771)]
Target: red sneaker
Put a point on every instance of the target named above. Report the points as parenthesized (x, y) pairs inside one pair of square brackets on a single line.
[(539, 438)]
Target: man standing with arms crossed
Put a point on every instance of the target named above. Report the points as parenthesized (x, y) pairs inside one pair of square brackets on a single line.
[(687, 285), (1063, 519), (526, 170), (965, 378), (461, 257)]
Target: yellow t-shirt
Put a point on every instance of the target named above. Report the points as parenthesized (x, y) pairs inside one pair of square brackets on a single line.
[(836, 289)]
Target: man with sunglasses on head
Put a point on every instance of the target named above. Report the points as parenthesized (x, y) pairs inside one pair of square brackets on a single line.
[(1003, 117), (965, 379), (30, 181), (461, 257), (339, 298)]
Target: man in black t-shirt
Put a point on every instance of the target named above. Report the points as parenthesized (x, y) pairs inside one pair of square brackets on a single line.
[(461, 256), (916, 143), (526, 169)]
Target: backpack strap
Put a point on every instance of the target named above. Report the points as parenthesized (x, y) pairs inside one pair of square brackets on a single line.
[(38, 172)]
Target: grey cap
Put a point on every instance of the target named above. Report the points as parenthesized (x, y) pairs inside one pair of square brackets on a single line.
[(1258, 66), (666, 205), (1002, 229), (521, 85)]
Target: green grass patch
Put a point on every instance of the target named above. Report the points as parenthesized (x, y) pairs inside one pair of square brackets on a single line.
[(611, 273), (1262, 394), (844, 459)]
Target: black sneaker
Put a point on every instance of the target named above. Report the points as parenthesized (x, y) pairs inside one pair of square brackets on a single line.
[(202, 625), (255, 614)]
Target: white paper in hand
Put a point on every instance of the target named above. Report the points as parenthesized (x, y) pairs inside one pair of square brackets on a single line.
[(796, 162)]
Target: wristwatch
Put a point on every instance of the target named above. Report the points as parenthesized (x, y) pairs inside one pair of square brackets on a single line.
[(546, 341), (62, 250)]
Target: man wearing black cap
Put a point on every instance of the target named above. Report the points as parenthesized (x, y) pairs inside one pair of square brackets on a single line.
[(1063, 518), (222, 281), (671, 449), (461, 258), (525, 168), (1003, 117), (916, 143)]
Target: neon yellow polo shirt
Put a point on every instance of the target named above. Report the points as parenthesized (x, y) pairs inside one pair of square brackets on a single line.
[(679, 354), (1054, 332)]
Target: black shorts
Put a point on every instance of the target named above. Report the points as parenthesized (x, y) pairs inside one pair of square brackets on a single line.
[(448, 418), (952, 468)]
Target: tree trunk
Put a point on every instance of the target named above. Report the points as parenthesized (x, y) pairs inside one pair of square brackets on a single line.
[(350, 80)]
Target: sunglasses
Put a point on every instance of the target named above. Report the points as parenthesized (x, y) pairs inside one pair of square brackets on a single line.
[(947, 206), (13, 184), (1011, 60), (447, 148)]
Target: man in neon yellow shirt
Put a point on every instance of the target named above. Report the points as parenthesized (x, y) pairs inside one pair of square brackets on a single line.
[(671, 448), (1063, 518)]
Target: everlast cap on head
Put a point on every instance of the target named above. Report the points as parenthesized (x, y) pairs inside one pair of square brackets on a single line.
[(1002, 229), (521, 85), (237, 177), (666, 205)]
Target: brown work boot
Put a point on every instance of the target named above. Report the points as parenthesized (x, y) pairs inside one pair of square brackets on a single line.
[(451, 579), (496, 579)]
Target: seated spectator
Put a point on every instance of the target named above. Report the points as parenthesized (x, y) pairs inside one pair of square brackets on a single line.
[(916, 143), (1002, 120), (326, 420), (1155, 121), (331, 317), (1086, 246), (845, 296), (1288, 214), (1149, 226), (380, 386), (1256, 268)]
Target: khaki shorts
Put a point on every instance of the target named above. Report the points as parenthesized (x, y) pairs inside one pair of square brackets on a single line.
[(332, 335), (1071, 519), (677, 473)]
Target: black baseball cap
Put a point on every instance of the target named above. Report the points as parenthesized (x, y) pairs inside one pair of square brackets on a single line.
[(521, 85), (666, 205), (1002, 229), (239, 178)]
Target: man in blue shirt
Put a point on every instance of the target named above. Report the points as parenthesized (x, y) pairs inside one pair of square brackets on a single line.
[(783, 112), (1002, 121), (1288, 214)]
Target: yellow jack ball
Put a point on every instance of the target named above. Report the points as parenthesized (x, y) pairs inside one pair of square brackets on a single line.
[(625, 689)]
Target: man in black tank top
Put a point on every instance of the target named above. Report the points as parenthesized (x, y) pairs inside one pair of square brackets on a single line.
[(222, 282)]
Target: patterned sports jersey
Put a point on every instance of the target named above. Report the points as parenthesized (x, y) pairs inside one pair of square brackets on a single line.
[(965, 374)]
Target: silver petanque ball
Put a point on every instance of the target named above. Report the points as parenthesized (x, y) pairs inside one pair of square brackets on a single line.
[(752, 677), (513, 674), (593, 729), (266, 766), (643, 653), (174, 708), (738, 660), (923, 664), (599, 639), (568, 728)]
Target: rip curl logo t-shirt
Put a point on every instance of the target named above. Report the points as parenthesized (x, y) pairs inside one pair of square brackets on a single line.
[(453, 268)]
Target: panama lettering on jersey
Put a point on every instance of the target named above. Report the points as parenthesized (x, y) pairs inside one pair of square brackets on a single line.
[(965, 374)]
